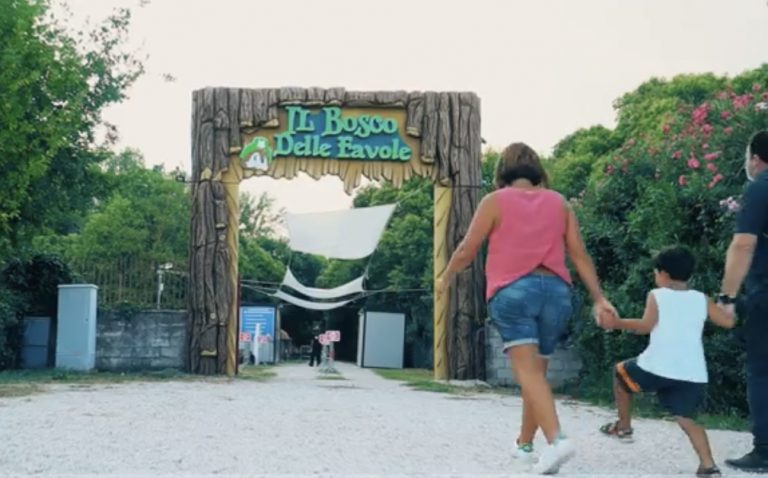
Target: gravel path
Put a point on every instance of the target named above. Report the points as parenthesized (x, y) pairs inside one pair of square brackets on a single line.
[(296, 424)]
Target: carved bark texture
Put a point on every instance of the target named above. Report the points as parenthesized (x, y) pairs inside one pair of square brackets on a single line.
[(448, 125)]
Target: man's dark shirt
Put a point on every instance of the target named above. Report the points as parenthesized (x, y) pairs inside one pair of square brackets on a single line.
[(752, 218)]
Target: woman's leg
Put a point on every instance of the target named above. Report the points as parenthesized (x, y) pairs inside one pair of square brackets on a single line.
[(529, 424), (528, 370)]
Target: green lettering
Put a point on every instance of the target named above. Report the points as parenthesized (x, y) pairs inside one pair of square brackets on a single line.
[(363, 127), (344, 143), (357, 151), (293, 111), (283, 144), (324, 151), (371, 151), (385, 152), (376, 124), (305, 124), (333, 125), (350, 124), (389, 126), (405, 153), (303, 148)]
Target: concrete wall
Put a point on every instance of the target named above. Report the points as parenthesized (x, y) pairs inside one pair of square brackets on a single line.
[(563, 366), (154, 339)]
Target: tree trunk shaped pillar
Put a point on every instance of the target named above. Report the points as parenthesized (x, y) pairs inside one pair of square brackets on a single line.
[(442, 209)]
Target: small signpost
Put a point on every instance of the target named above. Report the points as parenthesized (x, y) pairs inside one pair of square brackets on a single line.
[(327, 340)]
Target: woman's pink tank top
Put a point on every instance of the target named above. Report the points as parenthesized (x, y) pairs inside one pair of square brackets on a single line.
[(529, 234)]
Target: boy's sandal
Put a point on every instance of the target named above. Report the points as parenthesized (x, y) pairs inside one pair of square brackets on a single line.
[(612, 429), (708, 472)]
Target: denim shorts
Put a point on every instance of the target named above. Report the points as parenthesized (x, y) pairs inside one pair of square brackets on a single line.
[(532, 310)]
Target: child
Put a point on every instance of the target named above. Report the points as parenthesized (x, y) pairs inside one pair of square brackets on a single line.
[(673, 364)]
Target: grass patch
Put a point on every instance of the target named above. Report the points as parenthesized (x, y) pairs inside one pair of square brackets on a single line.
[(257, 373), (645, 405), (18, 383), (417, 379), (12, 377)]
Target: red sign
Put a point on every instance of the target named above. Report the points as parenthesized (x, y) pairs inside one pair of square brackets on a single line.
[(264, 339), (334, 335), (245, 336)]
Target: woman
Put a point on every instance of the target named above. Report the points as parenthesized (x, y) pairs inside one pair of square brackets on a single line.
[(529, 229)]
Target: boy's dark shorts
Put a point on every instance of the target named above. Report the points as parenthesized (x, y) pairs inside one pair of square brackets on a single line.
[(680, 398)]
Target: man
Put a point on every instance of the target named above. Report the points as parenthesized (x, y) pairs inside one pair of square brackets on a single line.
[(317, 350), (747, 262)]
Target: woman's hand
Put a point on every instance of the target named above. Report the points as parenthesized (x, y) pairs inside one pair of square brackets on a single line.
[(605, 313), (441, 285)]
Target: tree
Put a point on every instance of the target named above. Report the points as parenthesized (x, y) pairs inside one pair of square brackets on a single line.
[(53, 87)]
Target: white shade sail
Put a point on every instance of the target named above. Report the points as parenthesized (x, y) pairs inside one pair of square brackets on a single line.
[(351, 287), (306, 304), (347, 234)]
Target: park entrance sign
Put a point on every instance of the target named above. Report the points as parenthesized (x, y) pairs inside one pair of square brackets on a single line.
[(280, 132)]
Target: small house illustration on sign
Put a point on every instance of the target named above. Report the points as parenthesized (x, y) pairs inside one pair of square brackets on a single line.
[(257, 154)]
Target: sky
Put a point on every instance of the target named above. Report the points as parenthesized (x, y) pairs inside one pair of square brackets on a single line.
[(542, 68)]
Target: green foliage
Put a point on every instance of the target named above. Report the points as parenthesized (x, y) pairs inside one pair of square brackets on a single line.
[(53, 87), (670, 182)]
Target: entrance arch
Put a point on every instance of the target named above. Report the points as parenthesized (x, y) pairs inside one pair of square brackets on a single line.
[(279, 132)]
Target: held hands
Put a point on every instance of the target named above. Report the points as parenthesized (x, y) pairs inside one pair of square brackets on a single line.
[(606, 315)]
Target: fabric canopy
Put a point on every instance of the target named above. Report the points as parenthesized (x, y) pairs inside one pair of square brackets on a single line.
[(308, 304), (346, 234), (351, 287)]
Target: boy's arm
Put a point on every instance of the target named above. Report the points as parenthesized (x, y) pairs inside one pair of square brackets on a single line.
[(718, 316), (645, 325)]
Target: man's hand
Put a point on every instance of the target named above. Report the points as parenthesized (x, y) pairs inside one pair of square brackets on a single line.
[(729, 309)]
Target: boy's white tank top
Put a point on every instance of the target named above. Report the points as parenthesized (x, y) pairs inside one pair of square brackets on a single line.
[(675, 350)]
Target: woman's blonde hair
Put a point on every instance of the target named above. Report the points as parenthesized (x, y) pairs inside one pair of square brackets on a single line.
[(519, 161)]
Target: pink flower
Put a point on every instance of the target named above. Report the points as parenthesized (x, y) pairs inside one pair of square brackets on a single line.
[(682, 180), (711, 156), (757, 87), (712, 167), (705, 146), (728, 130), (700, 113), (677, 154), (722, 95), (741, 102), (764, 95), (666, 128), (718, 177), (609, 170), (706, 130), (693, 163), (725, 115)]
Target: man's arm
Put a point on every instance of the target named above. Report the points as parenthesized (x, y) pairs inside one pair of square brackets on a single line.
[(750, 222), (737, 262)]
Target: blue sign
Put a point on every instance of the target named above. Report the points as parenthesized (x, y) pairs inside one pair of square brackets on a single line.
[(252, 315)]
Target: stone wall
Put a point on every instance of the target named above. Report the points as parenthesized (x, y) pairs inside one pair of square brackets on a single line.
[(153, 339), (564, 365)]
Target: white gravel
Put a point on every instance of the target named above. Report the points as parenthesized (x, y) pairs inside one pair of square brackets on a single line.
[(298, 425)]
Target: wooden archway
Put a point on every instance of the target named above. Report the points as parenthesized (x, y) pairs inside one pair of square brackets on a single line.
[(442, 133)]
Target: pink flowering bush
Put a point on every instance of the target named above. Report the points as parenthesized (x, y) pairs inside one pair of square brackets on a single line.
[(679, 183)]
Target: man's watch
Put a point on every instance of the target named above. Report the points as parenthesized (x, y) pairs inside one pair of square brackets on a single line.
[(726, 299)]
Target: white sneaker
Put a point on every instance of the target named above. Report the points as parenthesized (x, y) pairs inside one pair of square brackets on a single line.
[(554, 456), (525, 454)]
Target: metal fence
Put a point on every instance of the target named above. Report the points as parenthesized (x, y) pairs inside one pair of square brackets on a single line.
[(140, 283)]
